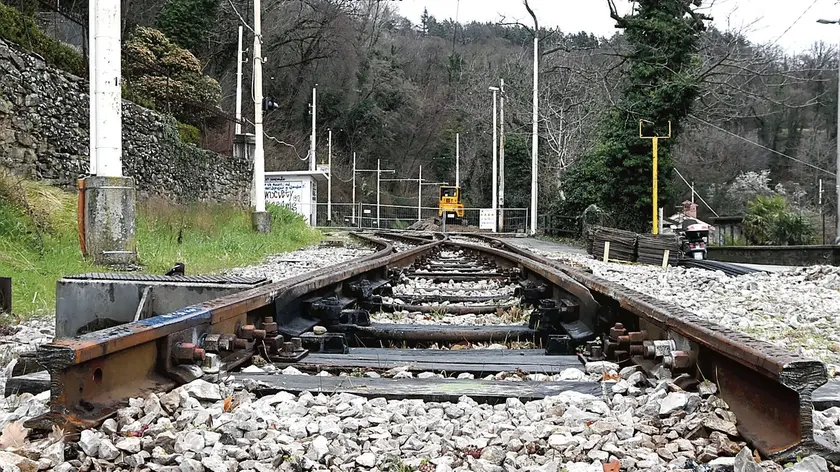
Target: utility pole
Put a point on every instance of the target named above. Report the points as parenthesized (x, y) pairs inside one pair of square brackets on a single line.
[(312, 139), (353, 214), (457, 159), (329, 177), (655, 199), (260, 219), (420, 185), (379, 172), (535, 132), (501, 216), (92, 82), (238, 126), (106, 197), (692, 192), (495, 166), (837, 172)]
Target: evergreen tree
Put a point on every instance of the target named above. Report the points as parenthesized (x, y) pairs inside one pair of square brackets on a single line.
[(660, 85)]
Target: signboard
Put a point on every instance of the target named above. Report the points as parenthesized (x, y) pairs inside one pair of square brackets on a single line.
[(325, 168), (487, 219), (287, 193)]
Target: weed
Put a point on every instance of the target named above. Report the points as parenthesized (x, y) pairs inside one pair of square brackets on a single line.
[(39, 241)]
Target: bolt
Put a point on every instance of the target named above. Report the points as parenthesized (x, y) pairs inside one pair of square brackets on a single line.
[(637, 350), (259, 333), (288, 349), (188, 352), (240, 343), (297, 344), (637, 337), (596, 352)]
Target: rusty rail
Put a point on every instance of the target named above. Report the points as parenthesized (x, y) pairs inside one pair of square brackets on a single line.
[(767, 387)]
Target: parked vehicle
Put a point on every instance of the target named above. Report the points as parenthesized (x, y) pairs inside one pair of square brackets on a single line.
[(694, 236)]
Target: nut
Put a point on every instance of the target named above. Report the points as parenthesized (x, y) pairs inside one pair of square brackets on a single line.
[(617, 330), (247, 332), (297, 344)]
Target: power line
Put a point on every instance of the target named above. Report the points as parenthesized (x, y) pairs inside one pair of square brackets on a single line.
[(795, 21), (761, 146)]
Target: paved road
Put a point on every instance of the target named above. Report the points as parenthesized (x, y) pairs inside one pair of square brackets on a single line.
[(542, 245)]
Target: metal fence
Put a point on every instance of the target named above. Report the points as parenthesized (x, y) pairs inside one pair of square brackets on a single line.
[(366, 215)]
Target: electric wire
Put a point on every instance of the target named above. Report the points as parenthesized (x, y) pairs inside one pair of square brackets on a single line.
[(760, 145)]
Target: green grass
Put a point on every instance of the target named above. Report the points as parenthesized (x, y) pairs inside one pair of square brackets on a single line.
[(39, 241)]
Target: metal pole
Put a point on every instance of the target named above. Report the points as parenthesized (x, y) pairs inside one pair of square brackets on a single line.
[(457, 159), (108, 92), (378, 172), (92, 82), (837, 172), (354, 189), (535, 138), (495, 167), (419, 193), (329, 177), (314, 108), (501, 216), (655, 185), (259, 164), (238, 126)]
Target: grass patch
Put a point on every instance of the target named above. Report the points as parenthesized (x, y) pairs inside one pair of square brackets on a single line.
[(20, 28), (39, 241)]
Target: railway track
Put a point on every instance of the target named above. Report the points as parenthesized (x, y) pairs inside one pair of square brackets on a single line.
[(341, 319)]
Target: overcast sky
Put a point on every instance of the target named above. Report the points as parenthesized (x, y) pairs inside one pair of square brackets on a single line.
[(792, 22)]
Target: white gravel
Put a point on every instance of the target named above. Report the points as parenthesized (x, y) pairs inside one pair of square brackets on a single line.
[(304, 260), (795, 309)]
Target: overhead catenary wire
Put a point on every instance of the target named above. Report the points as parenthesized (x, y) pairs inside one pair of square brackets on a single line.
[(795, 22), (695, 193), (760, 145)]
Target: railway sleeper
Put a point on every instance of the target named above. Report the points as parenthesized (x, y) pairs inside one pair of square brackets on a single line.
[(769, 389)]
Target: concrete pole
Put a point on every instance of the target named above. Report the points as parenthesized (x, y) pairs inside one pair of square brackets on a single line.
[(495, 165), (457, 159), (92, 82), (108, 93), (535, 138), (501, 216), (692, 191), (260, 218), (329, 177), (378, 173), (106, 228), (419, 193), (354, 189), (238, 127), (312, 139)]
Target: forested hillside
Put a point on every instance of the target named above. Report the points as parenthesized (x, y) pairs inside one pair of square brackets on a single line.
[(398, 89)]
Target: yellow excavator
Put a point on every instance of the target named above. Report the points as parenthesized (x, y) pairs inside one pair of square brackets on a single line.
[(450, 205)]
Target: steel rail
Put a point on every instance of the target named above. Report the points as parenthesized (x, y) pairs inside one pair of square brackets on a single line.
[(92, 374), (767, 387)]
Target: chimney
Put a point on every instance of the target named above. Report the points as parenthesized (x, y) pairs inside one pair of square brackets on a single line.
[(690, 209)]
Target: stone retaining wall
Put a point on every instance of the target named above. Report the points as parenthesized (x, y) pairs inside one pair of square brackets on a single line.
[(44, 136)]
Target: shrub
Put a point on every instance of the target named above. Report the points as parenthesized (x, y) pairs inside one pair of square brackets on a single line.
[(157, 70), (770, 221), (189, 133), (21, 29)]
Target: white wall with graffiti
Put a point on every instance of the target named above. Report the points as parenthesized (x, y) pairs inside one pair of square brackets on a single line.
[(296, 192)]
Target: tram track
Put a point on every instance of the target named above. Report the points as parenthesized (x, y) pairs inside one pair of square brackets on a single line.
[(574, 315)]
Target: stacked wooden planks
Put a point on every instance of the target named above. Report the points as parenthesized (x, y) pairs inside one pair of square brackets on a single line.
[(622, 244), (651, 249)]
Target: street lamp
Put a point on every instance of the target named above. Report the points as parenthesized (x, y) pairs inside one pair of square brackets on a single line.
[(495, 164), (837, 174)]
